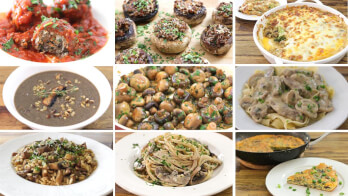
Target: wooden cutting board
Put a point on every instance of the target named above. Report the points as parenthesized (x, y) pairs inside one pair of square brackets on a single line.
[(166, 10)]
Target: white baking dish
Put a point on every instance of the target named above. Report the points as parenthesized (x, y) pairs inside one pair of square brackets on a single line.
[(277, 60)]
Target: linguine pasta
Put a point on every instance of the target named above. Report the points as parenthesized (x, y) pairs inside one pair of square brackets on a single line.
[(175, 161)]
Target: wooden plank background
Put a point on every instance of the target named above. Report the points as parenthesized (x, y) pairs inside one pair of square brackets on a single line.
[(246, 50), (121, 192), (251, 182), (102, 137), (8, 122)]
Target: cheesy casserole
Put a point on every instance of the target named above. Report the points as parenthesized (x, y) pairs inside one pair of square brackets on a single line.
[(303, 33)]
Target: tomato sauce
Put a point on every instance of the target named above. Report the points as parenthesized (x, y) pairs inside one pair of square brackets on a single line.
[(16, 38)]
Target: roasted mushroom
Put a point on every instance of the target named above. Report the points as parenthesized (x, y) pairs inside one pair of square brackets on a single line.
[(216, 39), (125, 33), (193, 121), (172, 97), (223, 14), (133, 56), (140, 11), (171, 35), (192, 12), (191, 58)]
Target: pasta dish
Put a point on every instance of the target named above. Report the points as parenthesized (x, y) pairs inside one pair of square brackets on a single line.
[(257, 7), (175, 161), (287, 98)]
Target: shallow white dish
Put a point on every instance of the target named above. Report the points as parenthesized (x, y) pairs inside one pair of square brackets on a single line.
[(238, 3), (91, 73), (125, 156), (99, 183), (277, 60), (331, 121), (125, 70), (103, 11), (279, 174)]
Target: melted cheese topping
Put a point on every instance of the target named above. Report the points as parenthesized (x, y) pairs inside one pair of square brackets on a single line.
[(311, 34)]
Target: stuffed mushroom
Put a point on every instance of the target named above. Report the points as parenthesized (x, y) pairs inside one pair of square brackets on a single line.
[(192, 12), (125, 33), (191, 58), (140, 11), (134, 56), (171, 35), (223, 14), (216, 39)]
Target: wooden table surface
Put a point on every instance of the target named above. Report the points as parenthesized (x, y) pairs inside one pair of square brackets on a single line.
[(121, 192), (246, 50), (252, 182), (8, 122), (102, 137)]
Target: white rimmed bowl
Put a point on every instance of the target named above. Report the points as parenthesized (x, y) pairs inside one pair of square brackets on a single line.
[(277, 60), (102, 11), (331, 121), (125, 156), (99, 183), (91, 73), (124, 70)]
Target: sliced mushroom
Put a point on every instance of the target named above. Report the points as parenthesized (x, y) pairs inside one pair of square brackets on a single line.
[(173, 178)]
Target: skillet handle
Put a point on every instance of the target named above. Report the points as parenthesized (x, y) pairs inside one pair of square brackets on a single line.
[(316, 1), (315, 141)]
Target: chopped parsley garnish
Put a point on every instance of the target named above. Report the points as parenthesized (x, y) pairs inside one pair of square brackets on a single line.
[(8, 45)]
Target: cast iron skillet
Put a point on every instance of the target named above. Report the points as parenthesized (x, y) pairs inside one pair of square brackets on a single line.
[(273, 158)]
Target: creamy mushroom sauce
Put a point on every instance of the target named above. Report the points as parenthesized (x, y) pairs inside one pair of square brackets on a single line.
[(286, 98), (173, 97)]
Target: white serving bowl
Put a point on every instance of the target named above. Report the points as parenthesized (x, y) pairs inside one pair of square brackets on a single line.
[(91, 73), (277, 60), (102, 11), (124, 70), (100, 182), (331, 121)]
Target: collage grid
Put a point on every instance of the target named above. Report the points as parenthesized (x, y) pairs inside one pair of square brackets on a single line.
[(121, 171)]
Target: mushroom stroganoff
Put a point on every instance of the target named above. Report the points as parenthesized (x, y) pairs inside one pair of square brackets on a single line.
[(54, 162), (173, 97), (174, 160), (287, 98)]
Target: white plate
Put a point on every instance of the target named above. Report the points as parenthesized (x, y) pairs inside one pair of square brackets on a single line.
[(99, 183), (238, 3), (331, 121), (125, 154), (91, 73), (103, 11), (280, 173), (125, 70)]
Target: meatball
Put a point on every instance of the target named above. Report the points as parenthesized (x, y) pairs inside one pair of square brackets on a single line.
[(73, 10), (26, 12), (54, 36)]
